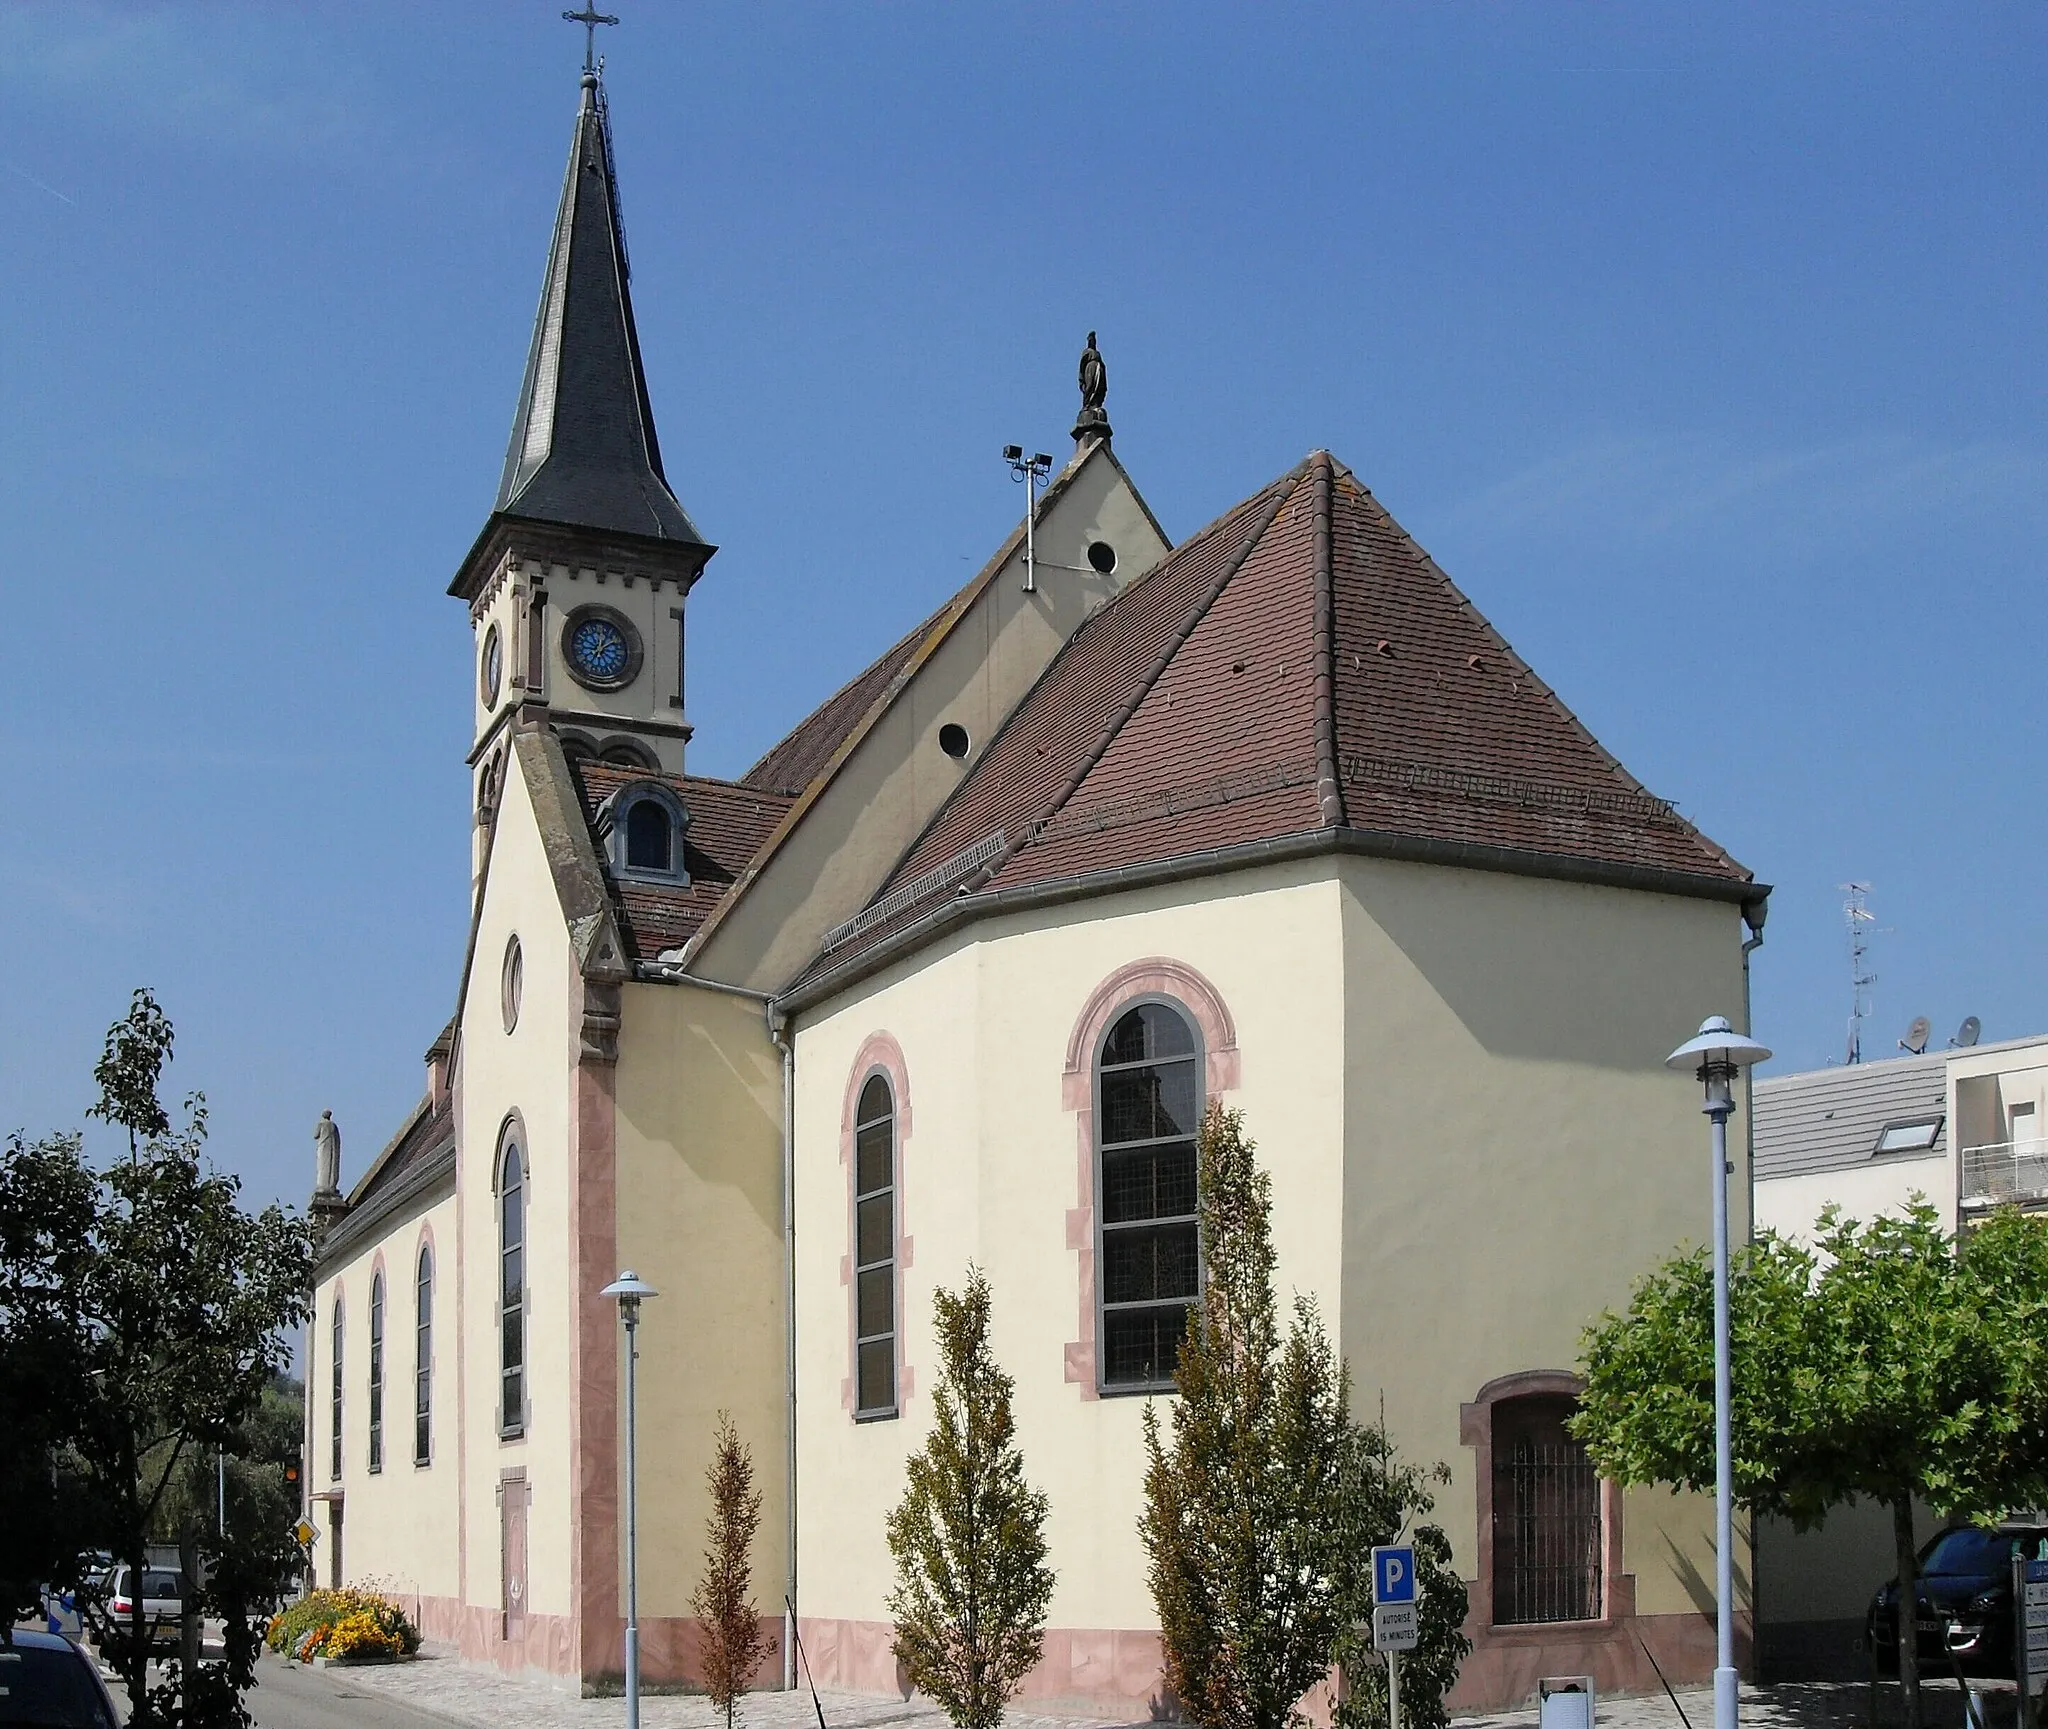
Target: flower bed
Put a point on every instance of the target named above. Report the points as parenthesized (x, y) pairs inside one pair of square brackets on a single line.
[(352, 1622)]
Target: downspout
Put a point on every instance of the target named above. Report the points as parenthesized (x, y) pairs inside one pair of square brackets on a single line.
[(778, 1030), (1753, 914)]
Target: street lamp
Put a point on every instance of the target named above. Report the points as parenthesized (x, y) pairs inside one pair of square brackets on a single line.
[(629, 1288), (1714, 1057)]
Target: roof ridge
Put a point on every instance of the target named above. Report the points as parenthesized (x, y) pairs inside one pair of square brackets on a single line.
[(1283, 490), (1329, 785)]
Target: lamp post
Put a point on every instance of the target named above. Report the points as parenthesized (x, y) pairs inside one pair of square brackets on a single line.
[(1714, 1057), (629, 1288)]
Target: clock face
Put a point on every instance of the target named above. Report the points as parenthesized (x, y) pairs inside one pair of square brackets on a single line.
[(601, 649), (494, 665)]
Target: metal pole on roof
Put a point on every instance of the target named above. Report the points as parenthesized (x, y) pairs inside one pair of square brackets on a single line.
[(1031, 471)]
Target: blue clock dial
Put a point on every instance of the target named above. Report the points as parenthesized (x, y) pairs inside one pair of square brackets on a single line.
[(600, 651)]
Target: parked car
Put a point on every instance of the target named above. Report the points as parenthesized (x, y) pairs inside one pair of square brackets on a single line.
[(1964, 1608), (163, 1603), (46, 1682)]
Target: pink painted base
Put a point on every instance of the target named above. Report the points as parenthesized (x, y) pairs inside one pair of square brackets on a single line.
[(1507, 1662), (1109, 1672), (669, 1645)]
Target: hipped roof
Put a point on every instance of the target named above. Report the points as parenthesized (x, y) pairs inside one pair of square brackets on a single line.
[(1300, 666)]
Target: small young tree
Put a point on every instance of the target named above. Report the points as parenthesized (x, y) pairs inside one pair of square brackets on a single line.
[(1892, 1363), (968, 1537), (1260, 1511), (733, 1639), (1383, 1498)]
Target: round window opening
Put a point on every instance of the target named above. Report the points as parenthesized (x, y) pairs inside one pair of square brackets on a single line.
[(601, 647), (494, 666), (509, 986), (953, 739), (1102, 556)]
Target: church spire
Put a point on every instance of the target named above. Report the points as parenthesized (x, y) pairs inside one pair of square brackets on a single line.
[(583, 452)]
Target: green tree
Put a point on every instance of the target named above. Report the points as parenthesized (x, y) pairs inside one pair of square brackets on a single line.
[(1890, 1362), (968, 1537), (1383, 1498), (723, 1602), (171, 1304), (1261, 1508)]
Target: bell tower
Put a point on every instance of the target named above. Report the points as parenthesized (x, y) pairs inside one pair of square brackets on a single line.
[(579, 582)]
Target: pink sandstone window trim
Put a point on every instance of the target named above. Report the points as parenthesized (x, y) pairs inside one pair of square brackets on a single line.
[(879, 1054), (1475, 1430), (1157, 977)]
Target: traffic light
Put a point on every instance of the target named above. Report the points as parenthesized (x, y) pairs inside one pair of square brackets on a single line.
[(291, 1477)]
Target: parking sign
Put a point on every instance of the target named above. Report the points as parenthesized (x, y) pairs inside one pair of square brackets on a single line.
[(1393, 1575)]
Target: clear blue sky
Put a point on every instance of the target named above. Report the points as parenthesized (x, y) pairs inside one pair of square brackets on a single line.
[(1702, 345)]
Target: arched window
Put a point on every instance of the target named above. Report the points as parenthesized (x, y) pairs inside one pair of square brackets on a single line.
[(334, 1395), (377, 1370), (512, 1293), (648, 838), (643, 824), (874, 1251), (1148, 1092), (1547, 1546), (423, 1360), (621, 754)]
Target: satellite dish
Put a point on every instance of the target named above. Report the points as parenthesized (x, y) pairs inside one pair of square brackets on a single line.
[(1969, 1032), (1917, 1035)]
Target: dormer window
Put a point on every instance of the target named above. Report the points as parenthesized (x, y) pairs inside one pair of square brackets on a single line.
[(650, 837), (643, 825)]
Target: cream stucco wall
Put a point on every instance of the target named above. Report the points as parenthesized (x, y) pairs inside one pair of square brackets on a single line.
[(1516, 1153), (1456, 1082), (399, 1523), (857, 826), (527, 1071), (700, 1216)]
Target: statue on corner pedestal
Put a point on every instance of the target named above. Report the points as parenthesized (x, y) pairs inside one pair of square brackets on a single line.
[(326, 1156)]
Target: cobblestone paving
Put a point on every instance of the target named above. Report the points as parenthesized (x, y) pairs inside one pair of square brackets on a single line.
[(488, 1699)]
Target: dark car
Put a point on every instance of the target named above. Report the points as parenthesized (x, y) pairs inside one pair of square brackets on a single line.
[(48, 1683), (1964, 1602)]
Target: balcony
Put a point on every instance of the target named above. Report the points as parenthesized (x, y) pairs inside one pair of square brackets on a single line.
[(2005, 1173)]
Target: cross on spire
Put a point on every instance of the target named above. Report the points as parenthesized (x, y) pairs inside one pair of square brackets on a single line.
[(590, 18)]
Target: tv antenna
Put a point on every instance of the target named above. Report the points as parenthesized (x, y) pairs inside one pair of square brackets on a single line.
[(1860, 919), (1967, 1034), (1032, 472), (1917, 1035)]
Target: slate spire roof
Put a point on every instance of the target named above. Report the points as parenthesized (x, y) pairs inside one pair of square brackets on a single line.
[(1298, 674), (583, 450)]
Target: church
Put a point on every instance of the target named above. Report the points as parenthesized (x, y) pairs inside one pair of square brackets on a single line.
[(1264, 813)]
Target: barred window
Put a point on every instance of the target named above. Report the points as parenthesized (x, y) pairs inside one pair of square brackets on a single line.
[(874, 1251), (512, 1293), (423, 1361), (1148, 1105), (1546, 1515), (377, 1371)]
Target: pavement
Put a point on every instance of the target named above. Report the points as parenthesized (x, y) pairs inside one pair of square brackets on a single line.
[(436, 1690)]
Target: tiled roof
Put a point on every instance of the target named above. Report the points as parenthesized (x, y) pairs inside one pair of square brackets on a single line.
[(1829, 1119), (796, 761), (728, 823), (426, 1131), (1300, 665)]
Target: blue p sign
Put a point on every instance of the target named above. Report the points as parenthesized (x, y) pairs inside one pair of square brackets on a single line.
[(1393, 1575)]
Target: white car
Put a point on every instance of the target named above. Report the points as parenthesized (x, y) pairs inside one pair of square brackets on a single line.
[(163, 1603)]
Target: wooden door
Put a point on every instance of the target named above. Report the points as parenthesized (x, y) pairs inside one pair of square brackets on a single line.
[(512, 1533)]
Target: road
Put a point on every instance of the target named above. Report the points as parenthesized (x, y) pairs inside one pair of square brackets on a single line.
[(293, 1696)]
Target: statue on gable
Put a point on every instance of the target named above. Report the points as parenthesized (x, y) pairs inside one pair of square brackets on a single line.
[(1093, 424), (326, 1156)]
